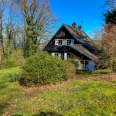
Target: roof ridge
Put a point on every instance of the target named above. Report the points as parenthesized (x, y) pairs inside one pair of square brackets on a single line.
[(75, 31)]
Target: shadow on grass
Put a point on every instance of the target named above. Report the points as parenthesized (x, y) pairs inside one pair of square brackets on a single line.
[(84, 72), (42, 114), (48, 114)]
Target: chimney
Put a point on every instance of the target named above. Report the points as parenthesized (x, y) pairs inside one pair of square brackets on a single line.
[(80, 28), (74, 25)]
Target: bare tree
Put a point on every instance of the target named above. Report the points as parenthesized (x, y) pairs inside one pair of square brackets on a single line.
[(38, 21), (111, 4), (2, 8), (109, 43)]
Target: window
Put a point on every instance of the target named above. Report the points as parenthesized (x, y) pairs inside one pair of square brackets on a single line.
[(57, 54), (68, 41), (84, 64), (64, 41), (61, 55), (59, 42)]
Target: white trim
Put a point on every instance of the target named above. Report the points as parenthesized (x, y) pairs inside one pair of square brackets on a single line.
[(53, 54), (65, 56), (64, 42), (56, 41)]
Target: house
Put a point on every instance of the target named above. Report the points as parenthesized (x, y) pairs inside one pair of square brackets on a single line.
[(73, 42)]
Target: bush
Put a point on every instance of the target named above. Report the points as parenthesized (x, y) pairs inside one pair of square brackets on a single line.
[(14, 77), (70, 69), (20, 63), (73, 61), (2, 64), (42, 69), (102, 71), (14, 54), (10, 63)]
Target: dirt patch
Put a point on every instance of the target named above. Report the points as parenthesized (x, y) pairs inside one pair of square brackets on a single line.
[(102, 77), (33, 90)]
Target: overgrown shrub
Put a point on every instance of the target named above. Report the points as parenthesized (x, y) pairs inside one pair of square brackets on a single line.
[(14, 77), (20, 63), (104, 64), (42, 69), (14, 54), (2, 64), (70, 69), (10, 63), (72, 60)]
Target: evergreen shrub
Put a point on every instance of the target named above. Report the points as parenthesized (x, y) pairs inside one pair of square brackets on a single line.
[(43, 69)]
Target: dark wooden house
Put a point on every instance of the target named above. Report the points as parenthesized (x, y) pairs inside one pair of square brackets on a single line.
[(73, 42)]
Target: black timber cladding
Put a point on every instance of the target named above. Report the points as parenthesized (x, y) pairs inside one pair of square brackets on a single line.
[(63, 33), (86, 46)]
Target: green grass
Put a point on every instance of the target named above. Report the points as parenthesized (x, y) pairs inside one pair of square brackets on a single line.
[(102, 71), (76, 97)]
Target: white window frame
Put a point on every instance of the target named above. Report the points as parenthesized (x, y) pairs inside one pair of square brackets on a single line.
[(58, 54), (72, 41), (64, 42), (65, 56), (57, 43), (68, 41)]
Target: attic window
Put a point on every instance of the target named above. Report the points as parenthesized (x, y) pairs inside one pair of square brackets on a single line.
[(60, 42), (68, 41)]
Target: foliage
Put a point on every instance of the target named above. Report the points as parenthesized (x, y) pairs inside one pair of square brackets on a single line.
[(104, 64), (102, 71), (16, 54), (73, 98), (20, 62), (70, 69), (2, 64), (42, 69), (10, 63), (109, 44), (72, 60), (14, 77), (27, 26), (110, 17), (37, 20)]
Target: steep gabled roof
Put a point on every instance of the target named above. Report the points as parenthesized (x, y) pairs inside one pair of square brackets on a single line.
[(74, 33), (82, 36), (88, 46), (71, 31), (84, 51)]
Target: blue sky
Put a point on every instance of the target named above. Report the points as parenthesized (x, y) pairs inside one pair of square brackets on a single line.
[(77, 10)]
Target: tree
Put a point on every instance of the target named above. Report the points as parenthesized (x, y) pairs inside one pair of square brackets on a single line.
[(38, 21), (109, 35), (110, 4), (2, 7), (109, 44), (110, 17)]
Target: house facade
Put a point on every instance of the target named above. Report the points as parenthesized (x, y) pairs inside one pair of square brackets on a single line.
[(72, 42)]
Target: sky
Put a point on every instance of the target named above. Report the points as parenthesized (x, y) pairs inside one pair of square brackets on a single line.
[(88, 11)]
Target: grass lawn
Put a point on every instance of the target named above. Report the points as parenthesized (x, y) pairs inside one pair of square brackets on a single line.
[(82, 96)]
